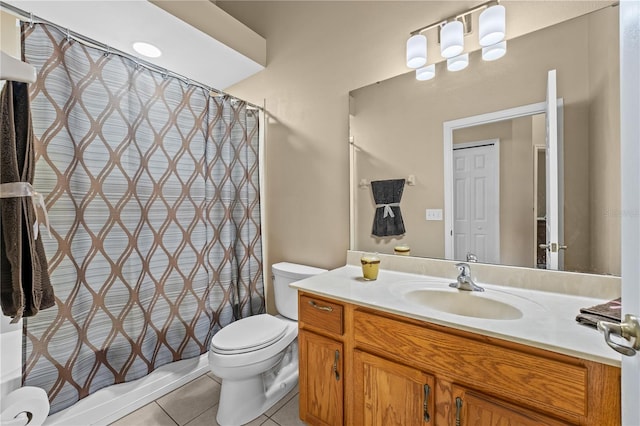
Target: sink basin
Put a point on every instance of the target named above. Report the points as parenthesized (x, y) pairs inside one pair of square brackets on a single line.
[(466, 303)]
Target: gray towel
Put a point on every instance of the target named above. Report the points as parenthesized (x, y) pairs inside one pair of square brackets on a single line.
[(388, 219), (25, 287)]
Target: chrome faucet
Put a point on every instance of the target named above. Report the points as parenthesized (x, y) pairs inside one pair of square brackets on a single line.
[(464, 280)]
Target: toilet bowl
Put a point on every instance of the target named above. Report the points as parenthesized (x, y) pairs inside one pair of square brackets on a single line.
[(257, 357)]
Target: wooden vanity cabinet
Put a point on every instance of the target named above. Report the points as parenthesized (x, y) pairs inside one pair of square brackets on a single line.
[(402, 371), (321, 354), (389, 393)]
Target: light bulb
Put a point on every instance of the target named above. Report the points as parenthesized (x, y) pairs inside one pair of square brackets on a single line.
[(492, 23), (495, 51), (146, 49), (416, 51), (451, 39), (426, 73), (458, 63)]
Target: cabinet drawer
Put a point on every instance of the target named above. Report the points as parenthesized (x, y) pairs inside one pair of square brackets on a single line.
[(321, 314), (555, 386)]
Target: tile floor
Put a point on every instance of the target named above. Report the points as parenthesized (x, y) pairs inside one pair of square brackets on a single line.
[(196, 404)]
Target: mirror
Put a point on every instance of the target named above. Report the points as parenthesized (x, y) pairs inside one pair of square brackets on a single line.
[(396, 131)]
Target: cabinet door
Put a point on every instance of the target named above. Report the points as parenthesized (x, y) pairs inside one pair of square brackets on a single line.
[(387, 393), (321, 379), (472, 408)]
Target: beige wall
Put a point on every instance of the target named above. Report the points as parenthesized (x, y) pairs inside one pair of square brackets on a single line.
[(9, 35), (604, 144), (316, 53)]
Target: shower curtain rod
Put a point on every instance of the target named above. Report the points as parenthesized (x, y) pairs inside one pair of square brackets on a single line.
[(32, 19)]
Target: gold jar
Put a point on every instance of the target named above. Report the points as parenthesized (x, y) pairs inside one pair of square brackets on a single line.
[(370, 266)]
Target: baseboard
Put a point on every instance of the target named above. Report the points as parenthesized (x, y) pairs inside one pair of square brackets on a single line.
[(111, 403)]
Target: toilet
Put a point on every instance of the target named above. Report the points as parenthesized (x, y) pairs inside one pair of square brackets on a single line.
[(257, 357)]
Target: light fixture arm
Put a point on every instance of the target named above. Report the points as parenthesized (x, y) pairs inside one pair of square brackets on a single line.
[(441, 22)]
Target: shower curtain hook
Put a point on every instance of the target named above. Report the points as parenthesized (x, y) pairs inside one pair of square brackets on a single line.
[(107, 52), (30, 19), (68, 35)]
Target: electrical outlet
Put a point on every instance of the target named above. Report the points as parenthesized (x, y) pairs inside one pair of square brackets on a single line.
[(434, 214)]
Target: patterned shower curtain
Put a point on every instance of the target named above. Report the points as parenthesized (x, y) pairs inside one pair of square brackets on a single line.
[(153, 198)]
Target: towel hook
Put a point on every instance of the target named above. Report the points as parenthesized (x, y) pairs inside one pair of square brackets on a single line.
[(410, 181)]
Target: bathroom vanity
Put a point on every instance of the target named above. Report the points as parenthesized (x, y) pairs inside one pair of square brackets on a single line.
[(390, 352)]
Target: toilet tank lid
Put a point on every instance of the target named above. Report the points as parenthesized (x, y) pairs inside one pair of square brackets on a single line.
[(294, 270)]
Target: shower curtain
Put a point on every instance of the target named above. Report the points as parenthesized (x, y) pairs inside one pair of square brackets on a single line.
[(153, 196)]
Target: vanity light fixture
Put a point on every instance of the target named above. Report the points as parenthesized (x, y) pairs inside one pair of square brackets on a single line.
[(495, 51), (458, 63), (147, 49), (426, 73), (416, 51), (492, 24)]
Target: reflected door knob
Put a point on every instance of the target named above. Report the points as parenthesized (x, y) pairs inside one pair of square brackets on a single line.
[(552, 247)]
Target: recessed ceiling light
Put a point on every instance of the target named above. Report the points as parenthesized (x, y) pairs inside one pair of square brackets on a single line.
[(146, 49)]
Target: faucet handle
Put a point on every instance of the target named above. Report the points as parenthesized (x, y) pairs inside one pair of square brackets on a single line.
[(464, 268)]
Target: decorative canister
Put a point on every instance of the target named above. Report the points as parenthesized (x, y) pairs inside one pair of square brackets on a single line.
[(370, 266), (402, 250)]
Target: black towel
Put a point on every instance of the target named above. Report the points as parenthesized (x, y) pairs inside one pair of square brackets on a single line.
[(609, 311), (388, 219), (25, 287)]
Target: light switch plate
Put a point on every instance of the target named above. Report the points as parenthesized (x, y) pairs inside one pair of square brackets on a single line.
[(434, 214)]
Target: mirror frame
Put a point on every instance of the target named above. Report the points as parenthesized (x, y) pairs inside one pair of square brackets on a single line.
[(607, 267)]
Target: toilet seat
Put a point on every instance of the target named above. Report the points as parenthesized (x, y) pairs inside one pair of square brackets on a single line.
[(248, 335)]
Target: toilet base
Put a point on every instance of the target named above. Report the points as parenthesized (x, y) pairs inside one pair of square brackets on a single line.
[(242, 401)]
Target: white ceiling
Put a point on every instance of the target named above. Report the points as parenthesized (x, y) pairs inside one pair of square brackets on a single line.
[(186, 50)]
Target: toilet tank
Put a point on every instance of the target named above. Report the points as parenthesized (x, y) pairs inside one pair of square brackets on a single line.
[(285, 273)]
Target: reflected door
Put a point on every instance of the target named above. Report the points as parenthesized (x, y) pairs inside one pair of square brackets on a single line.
[(476, 201)]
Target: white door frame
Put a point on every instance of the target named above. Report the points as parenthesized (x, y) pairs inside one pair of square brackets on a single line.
[(495, 218), (476, 120), (630, 207)]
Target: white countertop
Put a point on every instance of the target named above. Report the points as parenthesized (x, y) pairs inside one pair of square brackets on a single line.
[(547, 322)]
